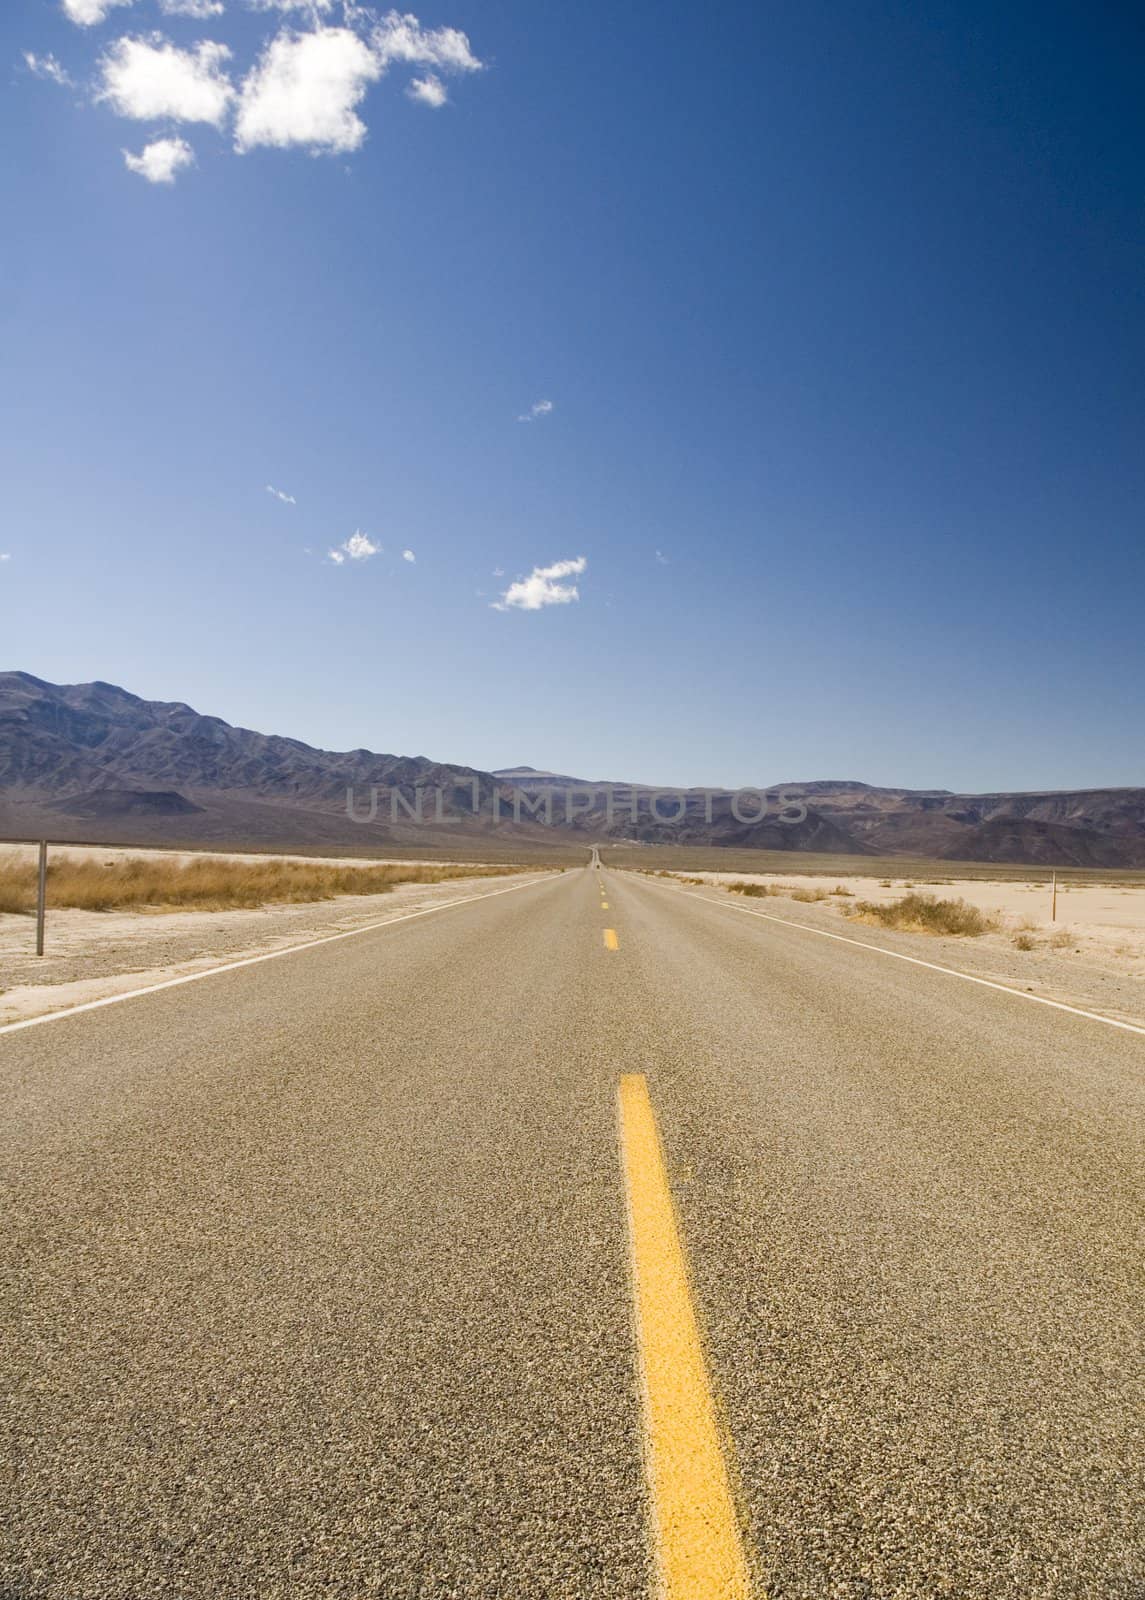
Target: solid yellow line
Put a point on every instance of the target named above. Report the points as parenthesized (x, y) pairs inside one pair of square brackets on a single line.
[(611, 942), (699, 1554)]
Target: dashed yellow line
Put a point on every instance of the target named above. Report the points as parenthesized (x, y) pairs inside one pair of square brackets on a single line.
[(604, 905), (611, 942), (699, 1552)]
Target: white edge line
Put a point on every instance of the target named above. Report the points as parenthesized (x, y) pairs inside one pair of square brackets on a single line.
[(915, 961), (253, 961)]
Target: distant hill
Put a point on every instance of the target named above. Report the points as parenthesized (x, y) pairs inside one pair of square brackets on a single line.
[(92, 760)]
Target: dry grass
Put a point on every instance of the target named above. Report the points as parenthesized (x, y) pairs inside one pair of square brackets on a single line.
[(922, 913), (843, 892), (808, 896), (210, 883), (1023, 941), (754, 891)]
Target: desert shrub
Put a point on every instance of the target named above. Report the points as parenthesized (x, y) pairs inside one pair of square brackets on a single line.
[(209, 883), (808, 896), (1023, 941), (754, 891), (842, 890), (922, 913)]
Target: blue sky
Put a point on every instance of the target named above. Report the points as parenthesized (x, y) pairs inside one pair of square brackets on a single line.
[(837, 307)]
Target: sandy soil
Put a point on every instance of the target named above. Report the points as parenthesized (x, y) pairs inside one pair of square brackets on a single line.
[(1093, 954), (90, 954)]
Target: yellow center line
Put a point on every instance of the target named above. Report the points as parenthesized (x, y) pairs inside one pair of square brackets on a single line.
[(699, 1553), (604, 905), (611, 942)]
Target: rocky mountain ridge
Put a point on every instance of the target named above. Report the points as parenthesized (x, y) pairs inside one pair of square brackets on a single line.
[(78, 760)]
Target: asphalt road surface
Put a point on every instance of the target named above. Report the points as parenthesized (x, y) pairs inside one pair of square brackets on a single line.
[(347, 1274)]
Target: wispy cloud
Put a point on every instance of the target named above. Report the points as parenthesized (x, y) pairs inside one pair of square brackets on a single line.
[(86, 13), (200, 10), (543, 587), (539, 408), (151, 79), (313, 7), (6, 555), (281, 494), (402, 38), (160, 161), (663, 559), (358, 547), (49, 68), (408, 555), (429, 91)]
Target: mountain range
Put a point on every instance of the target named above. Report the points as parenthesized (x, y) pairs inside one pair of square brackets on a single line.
[(92, 761)]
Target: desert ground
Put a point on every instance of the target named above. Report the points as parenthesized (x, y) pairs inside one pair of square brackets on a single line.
[(1093, 953)]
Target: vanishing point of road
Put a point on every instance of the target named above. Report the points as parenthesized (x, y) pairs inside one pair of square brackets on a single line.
[(587, 1237)]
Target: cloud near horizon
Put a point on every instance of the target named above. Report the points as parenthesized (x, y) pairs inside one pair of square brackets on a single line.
[(543, 587)]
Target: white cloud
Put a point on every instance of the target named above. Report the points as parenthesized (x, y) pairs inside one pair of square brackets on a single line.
[(86, 13), (429, 91), (311, 6), (358, 547), (199, 9), (47, 67), (543, 587), (280, 494), (6, 556), (304, 90), (149, 79), (539, 408), (402, 38), (662, 559), (408, 555), (160, 161)]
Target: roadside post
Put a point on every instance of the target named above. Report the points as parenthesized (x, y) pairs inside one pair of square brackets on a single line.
[(41, 896), (1054, 901)]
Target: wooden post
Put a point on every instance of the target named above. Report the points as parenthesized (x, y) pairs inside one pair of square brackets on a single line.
[(1054, 901), (41, 896)]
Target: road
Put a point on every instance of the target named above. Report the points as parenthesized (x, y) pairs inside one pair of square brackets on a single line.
[(332, 1275)]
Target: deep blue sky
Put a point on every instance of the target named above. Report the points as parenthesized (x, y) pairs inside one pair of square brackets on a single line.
[(839, 308)]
